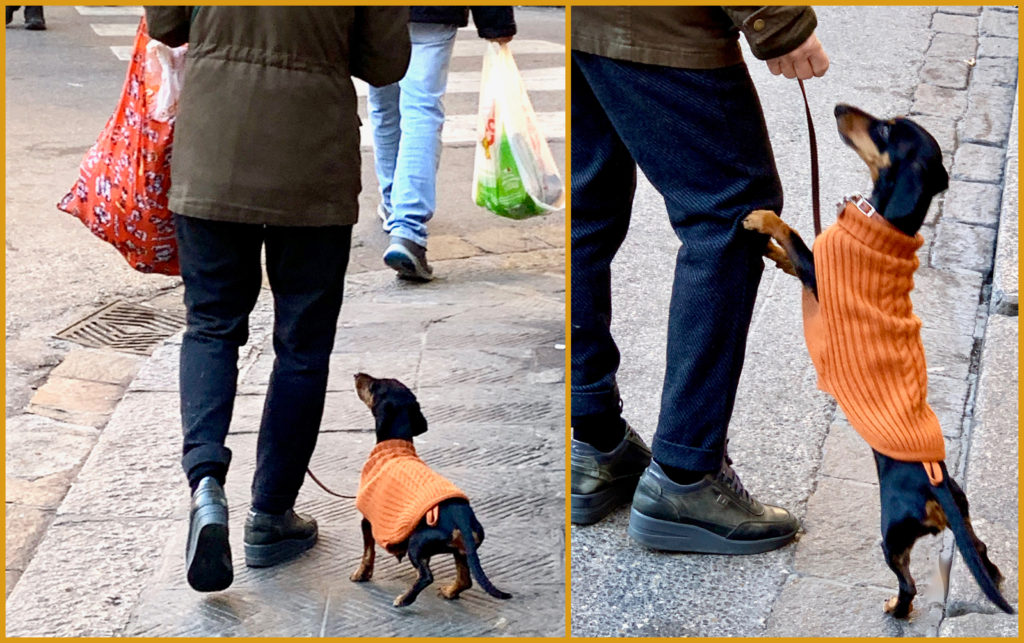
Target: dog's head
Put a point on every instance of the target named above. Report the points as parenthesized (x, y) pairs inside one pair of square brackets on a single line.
[(904, 160), (394, 407)]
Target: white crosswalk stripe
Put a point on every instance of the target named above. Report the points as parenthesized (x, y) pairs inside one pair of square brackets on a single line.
[(115, 29), (109, 11), (459, 129)]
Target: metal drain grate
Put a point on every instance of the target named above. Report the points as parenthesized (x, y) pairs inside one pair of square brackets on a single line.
[(125, 327)]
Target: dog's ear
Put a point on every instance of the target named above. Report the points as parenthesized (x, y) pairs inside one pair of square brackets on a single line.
[(417, 421), (906, 188)]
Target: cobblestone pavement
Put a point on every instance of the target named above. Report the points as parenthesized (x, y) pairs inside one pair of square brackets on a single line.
[(954, 69), (484, 351), (480, 345)]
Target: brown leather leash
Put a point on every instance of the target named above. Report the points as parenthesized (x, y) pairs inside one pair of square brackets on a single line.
[(324, 487), (815, 193)]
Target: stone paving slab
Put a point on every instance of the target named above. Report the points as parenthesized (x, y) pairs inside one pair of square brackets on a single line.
[(130, 495), (1005, 279), (852, 612), (990, 482)]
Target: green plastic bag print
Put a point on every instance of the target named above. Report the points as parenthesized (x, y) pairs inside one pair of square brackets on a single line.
[(514, 173)]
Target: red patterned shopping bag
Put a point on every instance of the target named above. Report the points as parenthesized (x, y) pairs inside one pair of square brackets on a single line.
[(121, 191)]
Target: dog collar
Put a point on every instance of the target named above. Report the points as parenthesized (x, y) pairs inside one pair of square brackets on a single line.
[(860, 203)]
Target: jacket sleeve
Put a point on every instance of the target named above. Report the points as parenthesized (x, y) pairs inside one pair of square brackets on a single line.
[(169, 25), (773, 31), (494, 22), (380, 48)]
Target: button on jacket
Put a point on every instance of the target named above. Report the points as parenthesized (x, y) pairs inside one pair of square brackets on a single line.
[(690, 37), (267, 130)]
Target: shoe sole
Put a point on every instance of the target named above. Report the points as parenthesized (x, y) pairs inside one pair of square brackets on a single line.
[(276, 553), (405, 264), (210, 568), (586, 509), (665, 535)]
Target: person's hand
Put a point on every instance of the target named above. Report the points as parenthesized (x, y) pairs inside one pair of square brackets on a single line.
[(502, 40), (807, 60)]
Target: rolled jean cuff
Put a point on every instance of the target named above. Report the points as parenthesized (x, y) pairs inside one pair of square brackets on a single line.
[(205, 454), (685, 457), (595, 402), (395, 229)]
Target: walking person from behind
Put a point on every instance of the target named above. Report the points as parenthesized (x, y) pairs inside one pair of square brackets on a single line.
[(665, 89), (266, 156), (407, 119)]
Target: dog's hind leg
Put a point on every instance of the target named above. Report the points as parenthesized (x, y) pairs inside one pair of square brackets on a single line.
[(896, 545), (463, 580), (421, 562), (365, 570)]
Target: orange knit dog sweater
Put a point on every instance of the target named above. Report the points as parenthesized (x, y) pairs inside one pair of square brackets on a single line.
[(397, 489), (865, 340)]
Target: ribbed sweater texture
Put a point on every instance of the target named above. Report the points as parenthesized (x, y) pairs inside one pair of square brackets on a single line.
[(396, 489), (865, 340)]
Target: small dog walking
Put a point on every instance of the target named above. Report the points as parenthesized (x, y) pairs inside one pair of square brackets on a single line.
[(865, 340), (407, 507)]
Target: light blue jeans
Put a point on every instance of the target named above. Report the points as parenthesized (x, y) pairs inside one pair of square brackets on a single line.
[(407, 118)]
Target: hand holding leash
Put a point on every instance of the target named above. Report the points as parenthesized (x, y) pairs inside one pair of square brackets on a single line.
[(804, 62)]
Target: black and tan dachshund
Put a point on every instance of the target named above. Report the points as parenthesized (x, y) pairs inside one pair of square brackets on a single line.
[(906, 166), (454, 530)]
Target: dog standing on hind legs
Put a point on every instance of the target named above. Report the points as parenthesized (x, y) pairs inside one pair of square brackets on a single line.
[(865, 341), (408, 508)]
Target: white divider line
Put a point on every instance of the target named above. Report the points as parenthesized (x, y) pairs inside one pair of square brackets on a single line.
[(460, 129), (550, 79), (112, 29), (476, 46), (109, 11), (122, 52)]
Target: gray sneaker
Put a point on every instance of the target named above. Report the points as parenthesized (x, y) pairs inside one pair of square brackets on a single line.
[(408, 259), (713, 516), (603, 481)]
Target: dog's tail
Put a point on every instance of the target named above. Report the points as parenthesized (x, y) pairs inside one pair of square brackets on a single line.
[(966, 545), (466, 521)]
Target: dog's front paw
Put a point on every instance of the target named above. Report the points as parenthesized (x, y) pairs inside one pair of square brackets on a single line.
[(403, 600), (760, 221), (361, 575), (893, 607)]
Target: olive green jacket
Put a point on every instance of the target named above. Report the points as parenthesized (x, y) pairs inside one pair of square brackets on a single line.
[(267, 130), (690, 37)]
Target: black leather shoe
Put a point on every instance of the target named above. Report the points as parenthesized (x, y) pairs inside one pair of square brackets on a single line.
[(207, 551), (271, 539), (715, 515), (603, 481), (34, 19)]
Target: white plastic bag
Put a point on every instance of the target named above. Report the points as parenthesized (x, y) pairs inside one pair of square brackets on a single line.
[(514, 173), (165, 68)]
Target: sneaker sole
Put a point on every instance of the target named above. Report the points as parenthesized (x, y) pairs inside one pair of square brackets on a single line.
[(404, 263), (586, 509), (665, 535), (210, 569), (276, 553)]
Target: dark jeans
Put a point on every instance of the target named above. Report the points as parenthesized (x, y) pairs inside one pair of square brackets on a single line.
[(220, 265), (699, 137)]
